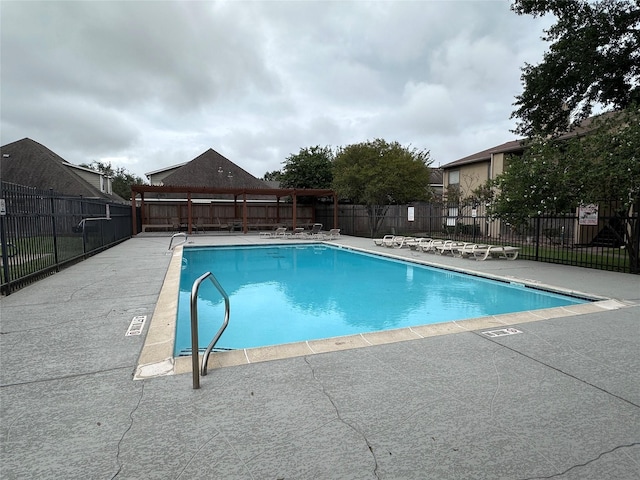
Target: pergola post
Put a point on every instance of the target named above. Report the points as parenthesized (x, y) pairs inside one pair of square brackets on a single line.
[(245, 227), (295, 209), (134, 226), (189, 220)]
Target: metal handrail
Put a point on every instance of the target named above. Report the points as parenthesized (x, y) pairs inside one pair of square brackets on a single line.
[(181, 234), (194, 327)]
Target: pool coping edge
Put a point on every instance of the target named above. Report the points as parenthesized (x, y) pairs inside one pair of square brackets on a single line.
[(156, 357)]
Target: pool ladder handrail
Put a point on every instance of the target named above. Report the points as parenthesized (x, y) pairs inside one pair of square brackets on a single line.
[(194, 327), (181, 234)]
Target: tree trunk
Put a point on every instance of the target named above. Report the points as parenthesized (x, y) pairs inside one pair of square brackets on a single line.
[(376, 214)]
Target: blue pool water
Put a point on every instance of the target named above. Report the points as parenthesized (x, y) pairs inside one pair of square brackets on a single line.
[(292, 293)]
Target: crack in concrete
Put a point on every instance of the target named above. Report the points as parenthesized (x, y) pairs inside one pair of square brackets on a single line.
[(588, 462), (496, 418), (353, 427), (557, 369), (127, 431), (196, 454)]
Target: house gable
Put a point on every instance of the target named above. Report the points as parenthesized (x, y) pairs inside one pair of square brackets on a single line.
[(157, 176), (96, 179), (474, 170), (29, 163), (212, 170)]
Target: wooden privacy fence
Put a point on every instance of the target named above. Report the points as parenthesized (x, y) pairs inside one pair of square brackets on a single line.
[(212, 215), (243, 209)]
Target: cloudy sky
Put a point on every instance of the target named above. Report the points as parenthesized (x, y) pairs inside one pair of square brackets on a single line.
[(148, 84)]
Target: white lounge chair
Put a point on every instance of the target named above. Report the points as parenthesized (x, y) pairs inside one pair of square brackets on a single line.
[(469, 249), (332, 234), (443, 246), (449, 246), (430, 246), (417, 243), (396, 242), (499, 251), (278, 232), (380, 242), (401, 241)]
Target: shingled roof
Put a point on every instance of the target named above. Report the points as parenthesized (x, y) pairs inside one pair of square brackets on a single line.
[(27, 162), (586, 126), (485, 155), (212, 170)]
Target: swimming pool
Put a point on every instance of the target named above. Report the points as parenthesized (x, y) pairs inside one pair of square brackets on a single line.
[(291, 293)]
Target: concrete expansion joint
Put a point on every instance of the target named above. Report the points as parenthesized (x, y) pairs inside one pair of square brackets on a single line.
[(124, 434), (559, 370), (339, 416), (588, 462)]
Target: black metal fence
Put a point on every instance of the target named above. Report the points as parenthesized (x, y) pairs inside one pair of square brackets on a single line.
[(42, 231), (609, 240)]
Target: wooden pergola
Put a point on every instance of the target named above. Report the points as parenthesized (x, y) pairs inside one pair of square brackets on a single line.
[(237, 193)]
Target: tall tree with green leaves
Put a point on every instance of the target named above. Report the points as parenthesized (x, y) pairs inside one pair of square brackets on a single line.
[(377, 174), (122, 179), (593, 59), (555, 176), (309, 168)]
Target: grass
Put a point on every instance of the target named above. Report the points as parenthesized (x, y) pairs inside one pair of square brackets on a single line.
[(30, 255), (602, 258), (613, 258)]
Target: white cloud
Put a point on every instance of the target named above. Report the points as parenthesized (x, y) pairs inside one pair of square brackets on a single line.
[(152, 84)]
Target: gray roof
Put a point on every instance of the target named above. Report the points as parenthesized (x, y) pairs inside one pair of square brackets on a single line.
[(485, 155), (27, 162), (435, 176), (210, 169), (583, 128), (164, 169)]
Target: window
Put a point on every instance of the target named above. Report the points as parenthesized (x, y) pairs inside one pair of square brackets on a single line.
[(454, 177)]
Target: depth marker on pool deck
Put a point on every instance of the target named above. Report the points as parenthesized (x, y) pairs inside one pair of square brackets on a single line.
[(502, 332), (136, 325)]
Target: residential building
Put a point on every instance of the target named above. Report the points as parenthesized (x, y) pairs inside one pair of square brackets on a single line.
[(157, 176), (29, 163)]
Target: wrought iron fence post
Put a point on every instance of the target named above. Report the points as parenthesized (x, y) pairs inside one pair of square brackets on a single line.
[(634, 257), (5, 255), (538, 220), (84, 224), (53, 230)]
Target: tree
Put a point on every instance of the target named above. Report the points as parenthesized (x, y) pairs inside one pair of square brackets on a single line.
[(121, 178), (377, 173), (555, 176), (274, 176), (594, 58), (310, 168)]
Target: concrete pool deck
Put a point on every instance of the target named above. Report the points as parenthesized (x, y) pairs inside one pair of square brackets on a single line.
[(561, 399)]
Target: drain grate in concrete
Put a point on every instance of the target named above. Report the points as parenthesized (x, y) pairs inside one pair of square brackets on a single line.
[(136, 325), (501, 332)]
